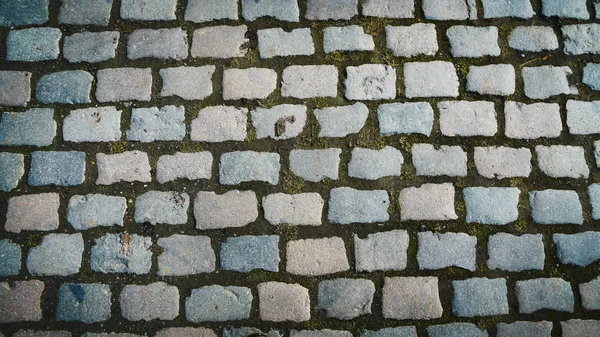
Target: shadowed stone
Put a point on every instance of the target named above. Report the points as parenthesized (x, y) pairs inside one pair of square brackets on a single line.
[(86, 303), (248, 332), (218, 304), (456, 330), (491, 205), (23, 13), (148, 302), (102, 124), (480, 297), (185, 255), (374, 164), (21, 302), (411, 298), (10, 255), (95, 210), (33, 44), (342, 120), (219, 124), (381, 251), (438, 251), (148, 10), (121, 253), (280, 302), (32, 333), (209, 10), (231, 209), (32, 212), (11, 170), (15, 88), (85, 12), (90, 47), (185, 332), (320, 333), (315, 257), (544, 293), (524, 328), (346, 298), (580, 249), (158, 207), (401, 39), (35, 127), (402, 331), (58, 254), (246, 253), (293, 209), (348, 205), (516, 253)]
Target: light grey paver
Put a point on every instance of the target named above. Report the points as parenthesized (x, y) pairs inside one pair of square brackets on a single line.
[(121, 253), (467, 118), (101, 124), (219, 42), (231, 209), (85, 12), (341, 121), (405, 118), (86, 303), (315, 165), (283, 10), (590, 294), (381, 251), (33, 44), (219, 124), (480, 297), (401, 40), (597, 152), (516, 253), (246, 253), (320, 333), (244, 166), (331, 9), (547, 81), (447, 160), (562, 161), (90, 47), (162, 207), (148, 10), (493, 79), (152, 124), (531, 121), (374, 164), (164, 44), (455, 330), (279, 122), (438, 251), (428, 202), (399, 9), (186, 332), (61, 168), (148, 302), (191, 166), (430, 79), (250, 83), (209, 10), (347, 38), (32, 212), (348, 205), (591, 74), (293, 209), (23, 13), (274, 42), (449, 10), (533, 38), (15, 88), (583, 118), (401, 331), (316, 257), (58, 254), (65, 87), (35, 127), (309, 81), (218, 304), (370, 82), (279, 302), (594, 194), (10, 253), (552, 207), (346, 298), (123, 84), (95, 210), (502, 162), (580, 327), (491, 205), (579, 249), (21, 301), (581, 39), (576, 9), (525, 328), (11, 170), (185, 255), (411, 298), (189, 83), (520, 9), (467, 41), (544, 293), (127, 166)]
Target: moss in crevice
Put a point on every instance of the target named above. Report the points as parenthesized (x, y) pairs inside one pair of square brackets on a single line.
[(291, 183), (250, 133), (118, 147), (369, 137), (334, 57), (375, 25), (290, 233), (486, 323)]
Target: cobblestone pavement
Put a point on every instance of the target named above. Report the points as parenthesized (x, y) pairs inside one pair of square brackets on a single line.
[(326, 168)]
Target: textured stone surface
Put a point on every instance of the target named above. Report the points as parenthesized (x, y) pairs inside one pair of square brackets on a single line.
[(86, 303), (152, 124), (546, 81), (438, 251), (583, 118), (56, 168), (399, 9), (401, 331), (520, 9), (123, 84), (157, 207), (480, 297), (447, 160), (127, 166), (374, 164), (231, 209), (189, 83), (562, 161), (347, 38), (320, 333), (449, 10), (15, 88), (274, 42), (533, 38), (348, 205), (516, 253), (218, 304), (531, 121), (90, 47), (524, 328), (279, 302), (401, 40), (121, 253), (102, 124), (11, 170), (370, 82), (209, 10), (315, 257), (219, 42), (248, 331), (342, 120), (594, 194), (381, 251), (309, 81), (466, 41), (95, 210), (493, 79), (552, 207), (58, 254), (245, 166), (283, 10), (581, 39), (428, 202), (492, 205), (466, 118), (191, 166), (293, 209), (32, 212), (65, 87), (576, 9), (85, 12), (591, 74), (411, 298), (346, 298), (164, 44), (21, 301), (405, 118), (580, 327), (250, 83), (33, 44), (10, 254), (279, 122), (35, 127), (331, 9), (219, 124), (185, 255), (579, 249), (147, 302), (590, 294), (185, 332), (246, 253), (315, 165), (32, 333), (544, 293), (456, 330), (430, 79), (22, 13), (148, 10), (502, 162)]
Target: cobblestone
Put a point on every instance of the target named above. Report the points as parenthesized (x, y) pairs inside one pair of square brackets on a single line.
[(493, 79), (86, 303), (189, 83), (430, 79), (342, 120), (546, 81), (85, 12), (531, 121), (218, 304), (381, 251), (583, 117), (316, 257), (11, 170), (456, 330), (245, 166), (562, 161), (578, 249), (466, 41), (401, 40), (162, 207), (348, 205), (247, 253), (320, 333), (274, 42), (581, 39), (219, 42), (102, 124), (123, 84), (552, 207), (127, 166), (32, 333), (96, 210), (23, 13), (251, 83), (219, 124), (309, 81), (56, 168), (148, 10), (167, 43), (185, 255), (370, 82), (231, 209), (544, 293), (121, 253), (594, 194), (35, 127), (466, 119), (524, 328), (279, 122), (388, 162), (449, 10), (185, 332), (533, 38), (58, 254), (516, 253), (591, 76), (590, 294), (279, 302), (401, 9), (345, 298), (428, 202), (491, 205), (21, 301), (315, 165), (10, 253), (147, 302), (199, 11), (480, 297), (15, 88), (331, 9), (293, 209), (520, 9), (191, 166), (286, 10), (33, 44), (411, 298), (32, 212), (90, 47), (447, 160), (248, 331), (575, 9), (347, 38), (405, 118), (438, 251), (580, 327), (403, 331), (152, 124)]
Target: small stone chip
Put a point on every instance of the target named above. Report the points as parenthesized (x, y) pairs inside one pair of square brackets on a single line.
[(381, 251), (219, 42), (61, 168), (123, 84), (554, 207), (58, 254), (405, 118), (447, 160), (245, 166), (402, 40), (370, 82), (316, 257), (148, 302), (309, 81), (127, 166), (562, 161), (533, 38), (250, 83), (491, 205), (467, 41), (279, 122), (430, 79), (185, 255), (544, 293), (411, 298), (12, 168), (247, 253), (15, 88), (101, 124), (95, 210), (580, 249), (90, 47), (480, 297), (21, 302), (35, 127), (293, 209), (151, 124), (121, 253), (232, 209), (348, 205), (346, 298), (33, 44), (219, 124), (347, 38), (280, 302), (315, 165), (342, 120), (274, 42), (86, 303), (493, 79), (468, 118), (162, 207), (428, 202), (218, 304), (438, 251), (191, 166), (532, 121), (32, 212), (374, 164), (189, 83)]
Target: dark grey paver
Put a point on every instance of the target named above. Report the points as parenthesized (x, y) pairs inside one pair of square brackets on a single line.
[(10, 254), (95, 210), (320, 333), (185, 255), (186, 332), (456, 330), (218, 304), (246, 253), (86, 303), (579, 249), (59, 168), (151, 124), (401, 331), (480, 297), (348, 205), (411, 298), (346, 298), (11, 170), (33, 44), (35, 127), (85, 12), (23, 13), (525, 328), (102, 124), (32, 212), (148, 302), (123, 84), (381, 251), (438, 251), (544, 293), (121, 253), (65, 87), (316, 257), (551, 207), (405, 118), (15, 88), (90, 47), (491, 205), (279, 302), (516, 253), (21, 301), (58, 254)]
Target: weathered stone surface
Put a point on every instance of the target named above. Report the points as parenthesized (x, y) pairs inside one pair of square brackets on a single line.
[(411, 298), (320, 333), (594, 194), (219, 42), (218, 304), (189, 83), (60, 168), (544, 293), (381, 251), (502, 162), (283, 10), (33, 44), (398, 9), (455, 330), (15, 88), (591, 74), (148, 302), (185, 332), (32, 333), (524, 328), (533, 38), (249, 331), (101, 124), (231, 209), (293, 209), (185, 255), (246, 253), (401, 39), (370, 82), (162, 207), (279, 302), (90, 47), (279, 122), (342, 120), (428, 202), (531, 121), (85, 12), (347, 38), (468, 118), (152, 124), (438, 251), (448, 160), (449, 10), (552, 207), (374, 164), (520, 9), (580, 327), (127, 166), (244, 166), (430, 79), (58, 254), (219, 124), (32, 212), (405, 118), (562, 161), (250, 83), (467, 41), (348, 205), (11, 170), (23, 13), (581, 39), (148, 10), (86, 303), (209, 10), (191, 166), (576, 9), (95, 210), (316, 257), (164, 44), (35, 127), (493, 79), (112, 334), (547, 81), (590, 294), (21, 302), (580, 249), (121, 253), (274, 42), (480, 297), (491, 205), (583, 118), (331, 9), (346, 298), (597, 152), (315, 165), (516, 253), (123, 84), (401, 331), (309, 81), (10, 254)]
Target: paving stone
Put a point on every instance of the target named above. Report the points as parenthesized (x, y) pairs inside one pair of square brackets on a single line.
[(531, 121), (279, 302), (164, 44), (185, 332), (189, 83), (580, 327), (590, 294), (123, 84), (247, 253), (127, 166), (121, 253), (562, 161), (430, 79), (516, 253), (583, 118), (411, 298), (331, 9), (23, 13), (399, 9), (597, 152), (552, 207), (594, 194), (148, 302), (447, 160), (462, 41), (341, 121), (156, 207), (370, 82), (480, 297), (35, 127), (15, 88), (533, 38), (320, 333), (244, 166), (219, 42), (576, 9), (250, 83), (10, 254), (315, 165), (455, 330), (309, 81), (401, 331), (151, 124), (274, 42), (293, 209), (96, 210), (86, 303), (85, 12), (32, 333), (33, 44), (547, 81), (493, 79), (185, 255), (428, 202), (401, 39), (348, 205), (90, 47), (231, 209), (491, 205), (248, 332), (279, 122), (58, 254), (502, 162), (316, 257), (11, 170), (524, 328), (101, 124), (21, 302), (347, 38), (218, 304), (32, 212), (405, 118), (65, 87), (209, 10), (580, 249), (520, 9), (438, 251), (219, 124), (449, 10), (374, 164), (148, 10), (191, 166), (381, 251), (581, 39), (544, 293), (591, 75), (112, 334), (282, 10), (61, 168), (346, 298), (468, 118)]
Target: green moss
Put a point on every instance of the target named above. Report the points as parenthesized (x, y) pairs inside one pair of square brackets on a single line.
[(374, 25), (460, 182), (290, 233), (156, 249), (122, 27), (460, 206), (251, 58), (369, 137), (33, 240), (259, 276), (515, 182), (268, 102), (334, 57), (118, 147), (462, 68), (394, 203), (520, 226), (189, 146), (291, 183), (486, 323), (251, 133), (87, 276)]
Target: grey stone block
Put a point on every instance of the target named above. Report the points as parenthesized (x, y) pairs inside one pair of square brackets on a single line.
[(33, 44), (316, 257), (309, 81), (562, 161), (370, 82), (346, 298), (502, 162), (10, 254), (218, 304), (411, 298), (101, 124), (447, 160), (282, 10), (430, 79), (65, 87), (189, 83), (86, 303), (21, 301), (347, 38), (331, 9), (590, 294), (320, 333), (583, 118), (121, 253), (162, 207), (342, 120), (279, 122), (533, 38), (580, 249), (219, 124), (547, 81), (58, 254), (520, 9), (164, 44), (56, 168), (293, 209), (401, 39), (85, 12), (185, 332), (399, 9), (209, 10), (348, 205), (438, 251), (315, 165), (468, 118), (15, 88), (456, 330), (552, 207), (449, 10), (149, 302), (191, 166), (219, 42), (480, 297), (112, 334), (493, 79), (591, 75), (544, 293), (244, 166), (575, 9), (23, 13), (247, 253), (35, 127), (250, 83), (597, 152), (524, 328), (381, 251), (95, 210), (594, 194), (11, 170), (32, 212), (185, 255), (531, 121), (428, 202), (401, 331), (231, 209), (374, 164), (123, 84), (581, 39), (151, 124), (516, 253), (580, 327), (405, 118), (274, 42), (248, 332), (148, 10), (32, 333), (491, 205), (127, 166), (90, 47), (467, 41), (280, 302)]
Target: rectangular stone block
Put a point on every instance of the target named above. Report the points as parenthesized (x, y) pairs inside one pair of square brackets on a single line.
[(430, 79), (96, 210), (185, 255), (56, 255), (559, 161), (64, 87), (218, 304), (468, 118), (21, 302), (502, 162), (33, 212), (293, 209), (533, 38), (580, 327), (520, 9), (245, 166), (398, 9), (209, 10), (547, 81), (544, 293), (15, 88), (348, 205), (381, 251), (190, 166), (316, 257), (480, 297), (157, 124), (189, 83), (90, 47), (164, 44), (309, 81), (401, 39), (389, 163), (493, 79), (553, 207), (447, 160), (315, 165), (331, 9), (247, 253), (405, 118), (411, 298), (250, 83), (11, 258), (525, 328), (231, 209), (282, 121), (33, 44), (283, 10), (346, 298), (467, 41), (148, 302), (157, 207), (342, 120), (35, 127), (531, 121), (449, 10), (148, 10), (123, 84), (516, 253), (274, 42), (370, 82), (583, 118), (86, 303), (85, 12), (121, 253), (23, 13), (577, 249), (438, 251), (127, 166), (219, 124), (219, 42), (491, 205), (101, 124), (12, 168), (280, 302), (348, 38), (428, 202)]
